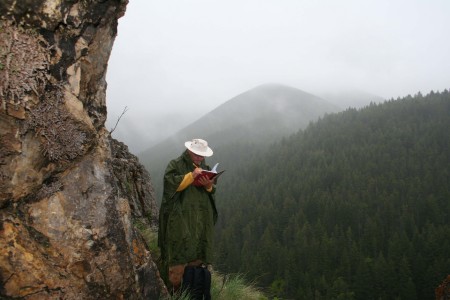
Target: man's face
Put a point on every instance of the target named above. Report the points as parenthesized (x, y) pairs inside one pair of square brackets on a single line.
[(197, 159)]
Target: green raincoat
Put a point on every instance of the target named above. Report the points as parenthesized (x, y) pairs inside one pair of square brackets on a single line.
[(186, 218)]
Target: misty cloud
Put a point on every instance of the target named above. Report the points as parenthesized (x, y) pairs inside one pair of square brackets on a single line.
[(184, 58)]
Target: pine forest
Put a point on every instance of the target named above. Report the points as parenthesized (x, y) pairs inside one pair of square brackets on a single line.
[(355, 206)]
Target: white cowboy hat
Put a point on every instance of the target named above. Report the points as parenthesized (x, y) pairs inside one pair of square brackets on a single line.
[(199, 147)]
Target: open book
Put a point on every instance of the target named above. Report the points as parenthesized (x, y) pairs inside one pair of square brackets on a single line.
[(213, 174)]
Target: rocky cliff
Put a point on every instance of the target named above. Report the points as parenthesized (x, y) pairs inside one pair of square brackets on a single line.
[(70, 196)]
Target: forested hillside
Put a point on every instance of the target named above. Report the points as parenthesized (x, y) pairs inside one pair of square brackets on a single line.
[(356, 206)]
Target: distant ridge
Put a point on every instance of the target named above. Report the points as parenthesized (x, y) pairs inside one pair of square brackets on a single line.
[(263, 114)]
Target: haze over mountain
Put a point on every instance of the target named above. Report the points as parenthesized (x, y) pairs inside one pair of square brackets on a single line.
[(350, 98), (263, 114), (142, 135)]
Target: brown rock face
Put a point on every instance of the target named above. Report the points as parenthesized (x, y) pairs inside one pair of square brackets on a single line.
[(69, 194)]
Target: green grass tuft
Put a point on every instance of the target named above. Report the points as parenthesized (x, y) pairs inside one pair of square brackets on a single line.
[(227, 287)]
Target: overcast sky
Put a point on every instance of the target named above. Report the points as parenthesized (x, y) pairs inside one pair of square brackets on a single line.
[(181, 59)]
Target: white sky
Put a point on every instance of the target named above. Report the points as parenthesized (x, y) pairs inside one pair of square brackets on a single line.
[(181, 59)]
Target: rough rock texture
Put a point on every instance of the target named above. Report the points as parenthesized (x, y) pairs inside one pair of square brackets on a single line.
[(70, 196)]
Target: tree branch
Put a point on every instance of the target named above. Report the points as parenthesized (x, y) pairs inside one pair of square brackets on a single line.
[(118, 119)]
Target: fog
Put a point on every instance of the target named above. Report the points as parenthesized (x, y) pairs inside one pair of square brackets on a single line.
[(174, 61)]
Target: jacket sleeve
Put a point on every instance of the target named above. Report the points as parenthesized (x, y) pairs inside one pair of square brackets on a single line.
[(172, 179), (187, 180)]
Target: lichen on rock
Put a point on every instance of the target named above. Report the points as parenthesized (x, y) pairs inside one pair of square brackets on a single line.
[(62, 137), (24, 63)]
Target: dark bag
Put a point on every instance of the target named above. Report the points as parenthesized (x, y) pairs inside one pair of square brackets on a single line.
[(197, 282)]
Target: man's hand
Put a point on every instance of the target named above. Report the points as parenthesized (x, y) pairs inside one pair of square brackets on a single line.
[(196, 172), (206, 182)]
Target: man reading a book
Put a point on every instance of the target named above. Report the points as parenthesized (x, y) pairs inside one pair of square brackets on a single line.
[(187, 214)]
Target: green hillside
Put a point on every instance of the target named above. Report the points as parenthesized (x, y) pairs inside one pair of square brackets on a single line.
[(258, 116), (356, 206)]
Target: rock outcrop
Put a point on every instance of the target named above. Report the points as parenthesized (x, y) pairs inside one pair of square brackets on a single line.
[(70, 195)]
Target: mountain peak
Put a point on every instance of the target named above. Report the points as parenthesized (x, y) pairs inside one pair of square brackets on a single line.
[(271, 85), (271, 89), (264, 113)]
